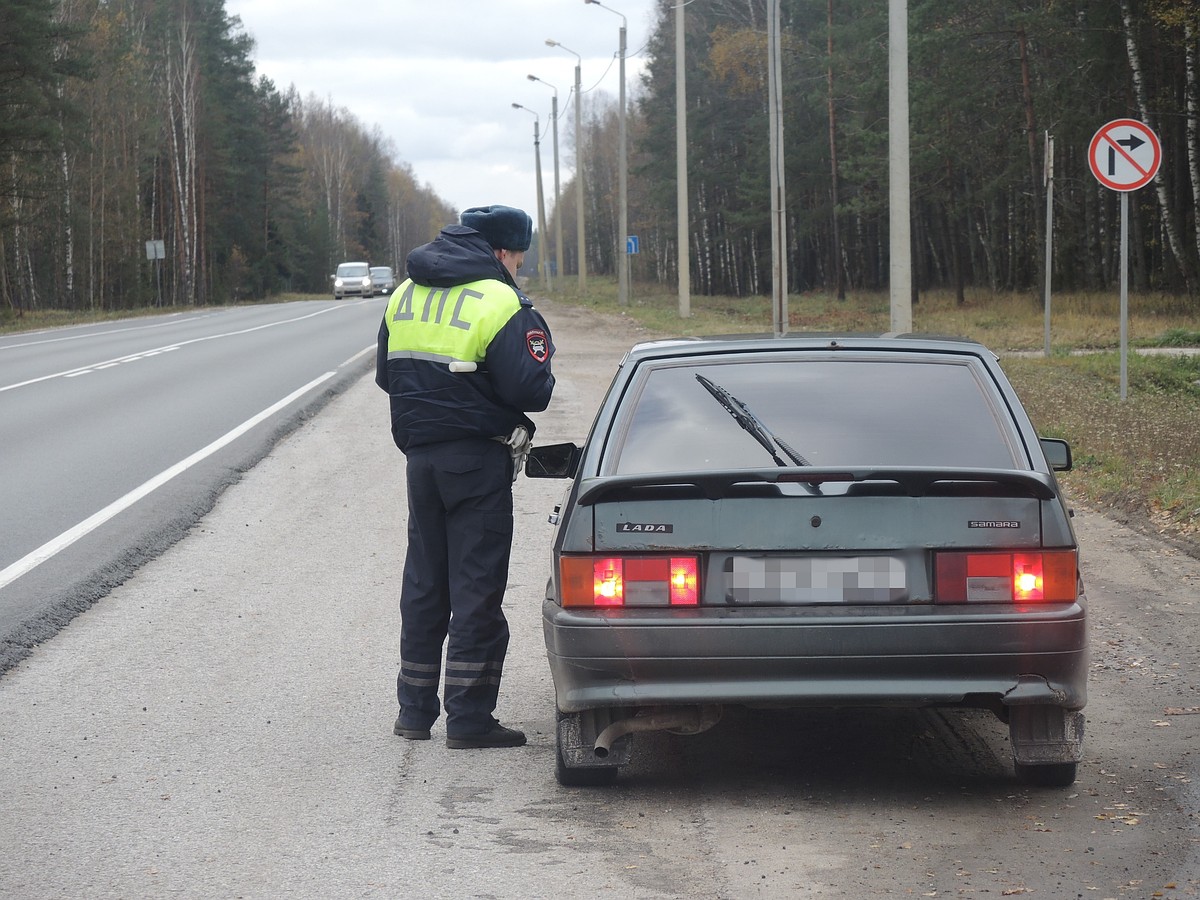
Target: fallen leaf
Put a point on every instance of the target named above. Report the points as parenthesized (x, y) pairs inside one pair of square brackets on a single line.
[(1182, 710)]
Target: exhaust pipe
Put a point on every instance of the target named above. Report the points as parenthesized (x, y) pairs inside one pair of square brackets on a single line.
[(684, 720)]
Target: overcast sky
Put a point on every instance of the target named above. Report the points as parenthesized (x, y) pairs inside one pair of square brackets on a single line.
[(439, 78)]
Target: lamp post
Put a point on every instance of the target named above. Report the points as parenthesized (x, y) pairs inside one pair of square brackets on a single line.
[(579, 237), (622, 173), (681, 167), (558, 247), (779, 269), (537, 158), (899, 188)]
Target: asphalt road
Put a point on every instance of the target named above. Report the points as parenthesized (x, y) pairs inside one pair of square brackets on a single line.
[(220, 726), (117, 437)]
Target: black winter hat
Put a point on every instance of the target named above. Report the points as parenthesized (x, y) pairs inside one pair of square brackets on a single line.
[(504, 227)]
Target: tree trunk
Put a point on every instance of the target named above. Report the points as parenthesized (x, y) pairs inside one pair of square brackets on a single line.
[(182, 107), (1192, 63), (1160, 187), (1031, 141)]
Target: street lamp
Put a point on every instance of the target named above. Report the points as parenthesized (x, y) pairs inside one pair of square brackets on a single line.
[(537, 158), (681, 165), (779, 269), (579, 237), (899, 174), (558, 247), (622, 174)]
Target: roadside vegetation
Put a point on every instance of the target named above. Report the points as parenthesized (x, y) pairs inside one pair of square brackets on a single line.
[(1138, 459)]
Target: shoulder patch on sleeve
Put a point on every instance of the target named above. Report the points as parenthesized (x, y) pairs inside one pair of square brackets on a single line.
[(536, 343)]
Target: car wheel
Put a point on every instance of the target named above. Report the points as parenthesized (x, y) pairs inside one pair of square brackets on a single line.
[(1049, 775)]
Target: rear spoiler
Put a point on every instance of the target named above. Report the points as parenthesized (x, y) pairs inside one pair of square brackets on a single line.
[(916, 481)]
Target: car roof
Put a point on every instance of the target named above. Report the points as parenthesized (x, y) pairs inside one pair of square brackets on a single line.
[(741, 343)]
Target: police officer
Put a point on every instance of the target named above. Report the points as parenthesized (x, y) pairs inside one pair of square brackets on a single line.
[(463, 356)]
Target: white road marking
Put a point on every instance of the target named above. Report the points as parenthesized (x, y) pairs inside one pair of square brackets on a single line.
[(82, 370), (52, 547)]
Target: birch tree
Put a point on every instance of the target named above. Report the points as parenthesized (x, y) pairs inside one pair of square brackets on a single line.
[(181, 96), (1170, 226)]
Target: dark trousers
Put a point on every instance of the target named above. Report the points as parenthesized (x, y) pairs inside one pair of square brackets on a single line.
[(460, 528)]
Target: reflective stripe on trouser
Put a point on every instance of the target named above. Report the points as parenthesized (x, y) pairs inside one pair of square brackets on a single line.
[(455, 571)]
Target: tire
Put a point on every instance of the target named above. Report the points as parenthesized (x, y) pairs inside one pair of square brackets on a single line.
[(590, 776), (1052, 775)]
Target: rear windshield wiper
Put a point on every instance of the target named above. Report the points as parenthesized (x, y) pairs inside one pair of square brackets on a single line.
[(751, 423)]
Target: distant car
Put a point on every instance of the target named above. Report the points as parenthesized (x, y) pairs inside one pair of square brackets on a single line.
[(353, 279), (383, 280), (812, 521)]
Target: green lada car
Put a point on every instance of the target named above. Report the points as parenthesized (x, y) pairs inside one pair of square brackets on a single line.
[(812, 521)]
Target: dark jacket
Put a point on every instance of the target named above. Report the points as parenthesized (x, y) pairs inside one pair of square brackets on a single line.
[(459, 304)]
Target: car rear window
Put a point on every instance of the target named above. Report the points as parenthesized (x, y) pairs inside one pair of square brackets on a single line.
[(844, 411)]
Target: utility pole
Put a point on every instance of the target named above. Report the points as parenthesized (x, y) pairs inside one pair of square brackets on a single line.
[(681, 169), (899, 196), (558, 239), (779, 304), (543, 264), (579, 225), (622, 173)]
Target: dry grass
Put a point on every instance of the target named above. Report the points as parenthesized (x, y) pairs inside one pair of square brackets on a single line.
[(1000, 321), (1139, 458)]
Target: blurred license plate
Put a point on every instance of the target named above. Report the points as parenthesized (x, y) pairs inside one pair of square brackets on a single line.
[(775, 580)]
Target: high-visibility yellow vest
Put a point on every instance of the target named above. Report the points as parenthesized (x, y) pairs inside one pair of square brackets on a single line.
[(447, 324)]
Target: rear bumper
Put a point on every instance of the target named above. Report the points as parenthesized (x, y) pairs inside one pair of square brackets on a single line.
[(869, 656)]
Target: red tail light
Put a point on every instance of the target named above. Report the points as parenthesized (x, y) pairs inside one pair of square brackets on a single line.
[(601, 581), (1007, 577)]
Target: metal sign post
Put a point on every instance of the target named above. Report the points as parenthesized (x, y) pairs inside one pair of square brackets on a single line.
[(632, 246), (1124, 156), (1048, 181), (155, 251)]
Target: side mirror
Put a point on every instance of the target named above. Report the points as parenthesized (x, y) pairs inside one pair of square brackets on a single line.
[(1058, 454), (553, 461)]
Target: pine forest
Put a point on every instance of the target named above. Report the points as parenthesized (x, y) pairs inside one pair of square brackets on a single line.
[(126, 120)]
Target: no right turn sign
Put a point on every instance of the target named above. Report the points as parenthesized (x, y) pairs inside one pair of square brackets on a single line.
[(1124, 155)]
